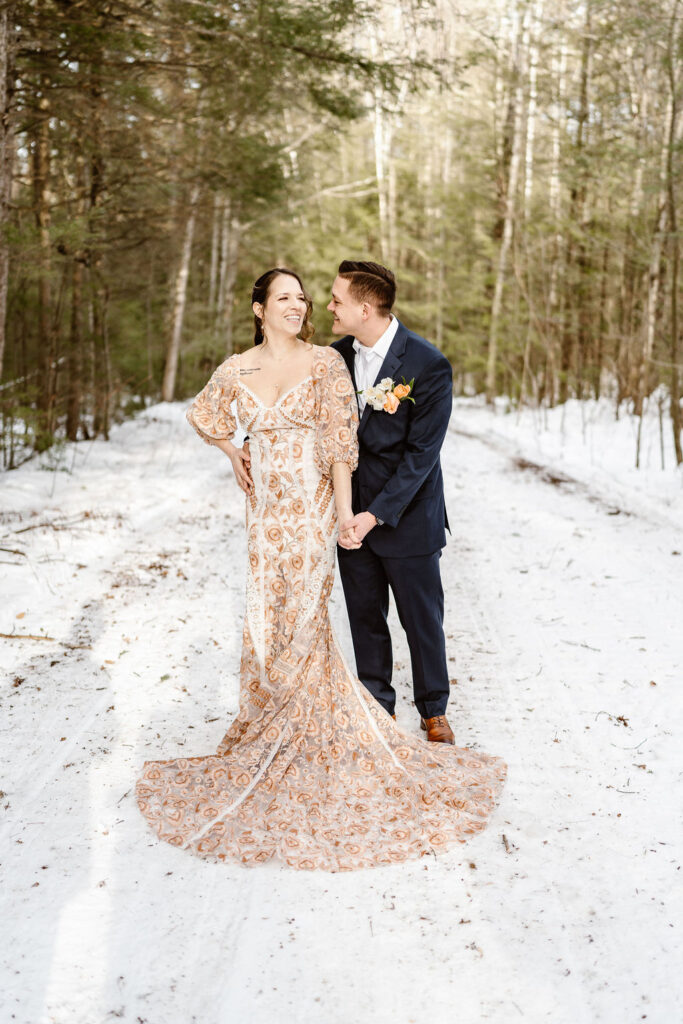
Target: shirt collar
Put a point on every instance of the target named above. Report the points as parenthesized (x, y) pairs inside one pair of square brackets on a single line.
[(381, 346)]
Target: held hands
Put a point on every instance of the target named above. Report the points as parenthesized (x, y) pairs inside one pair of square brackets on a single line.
[(347, 535), (353, 529)]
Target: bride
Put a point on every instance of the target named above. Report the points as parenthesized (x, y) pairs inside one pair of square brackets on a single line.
[(312, 772)]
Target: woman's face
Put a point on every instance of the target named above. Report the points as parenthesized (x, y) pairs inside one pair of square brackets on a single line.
[(285, 306)]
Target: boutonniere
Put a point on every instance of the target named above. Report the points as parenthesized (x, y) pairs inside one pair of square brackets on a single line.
[(387, 396)]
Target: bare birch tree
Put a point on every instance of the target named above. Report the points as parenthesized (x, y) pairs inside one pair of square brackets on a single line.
[(519, 58), (180, 297)]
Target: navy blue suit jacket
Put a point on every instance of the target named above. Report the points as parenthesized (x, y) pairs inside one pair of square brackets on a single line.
[(399, 475)]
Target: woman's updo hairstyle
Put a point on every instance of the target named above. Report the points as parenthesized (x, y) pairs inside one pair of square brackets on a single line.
[(259, 293)]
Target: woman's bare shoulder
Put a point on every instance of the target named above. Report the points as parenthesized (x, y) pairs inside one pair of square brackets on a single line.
[(248, 357)]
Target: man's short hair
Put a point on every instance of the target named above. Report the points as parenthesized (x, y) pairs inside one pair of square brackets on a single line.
[(370, 282)]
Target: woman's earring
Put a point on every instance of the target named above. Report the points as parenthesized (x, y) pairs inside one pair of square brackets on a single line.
[(263, 330)]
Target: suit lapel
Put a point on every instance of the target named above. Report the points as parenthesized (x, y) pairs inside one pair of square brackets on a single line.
[(391, 363), (348, 354), (345, 348)]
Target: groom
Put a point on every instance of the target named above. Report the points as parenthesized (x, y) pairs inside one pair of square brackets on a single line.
[(398, 499)]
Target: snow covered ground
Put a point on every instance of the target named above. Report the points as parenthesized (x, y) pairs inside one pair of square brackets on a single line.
[(564, 594)]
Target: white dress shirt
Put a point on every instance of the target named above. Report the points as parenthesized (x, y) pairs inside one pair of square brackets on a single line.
[(369, 358)]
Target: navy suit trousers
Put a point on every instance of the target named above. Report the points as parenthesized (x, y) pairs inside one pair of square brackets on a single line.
[(415, 583)]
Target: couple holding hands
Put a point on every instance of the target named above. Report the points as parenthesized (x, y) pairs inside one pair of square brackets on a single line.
[(343, 455)]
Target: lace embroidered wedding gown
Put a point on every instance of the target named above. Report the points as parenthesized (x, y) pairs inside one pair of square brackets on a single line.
[(312, 772)]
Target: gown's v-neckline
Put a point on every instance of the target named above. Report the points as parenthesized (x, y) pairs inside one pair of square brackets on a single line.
[(260, 400), (280, 399)]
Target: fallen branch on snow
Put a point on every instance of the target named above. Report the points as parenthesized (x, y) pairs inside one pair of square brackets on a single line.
[(53, 639)]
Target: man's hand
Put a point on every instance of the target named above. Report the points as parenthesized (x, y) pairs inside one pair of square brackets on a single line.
[(241, 461), (359, 526)]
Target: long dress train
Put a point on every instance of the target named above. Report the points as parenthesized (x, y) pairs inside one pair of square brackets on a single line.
[(312, 772)]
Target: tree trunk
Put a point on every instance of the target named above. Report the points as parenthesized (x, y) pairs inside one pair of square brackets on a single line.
[(385, 125), (510, 205), (504, 115), (655, 268), (381, 131), (604, 318), (101, 365), (576, 328), (229, 278), (447, 140), (630, 269), (675, 344), (674, 241), (102, 384), (554, 315), (73, 404), (223, 262), (149, 324), (531, 109), (41, 205), (6, 164), (180, 299), (74, 356), (213, 267)]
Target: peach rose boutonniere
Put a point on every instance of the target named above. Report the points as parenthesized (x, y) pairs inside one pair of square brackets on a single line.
[(387, 396)]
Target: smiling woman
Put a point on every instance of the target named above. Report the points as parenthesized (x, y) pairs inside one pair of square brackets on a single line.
[(286, 290), (282, 326)]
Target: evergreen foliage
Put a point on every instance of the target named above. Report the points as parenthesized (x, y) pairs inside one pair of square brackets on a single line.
[(517, 164)]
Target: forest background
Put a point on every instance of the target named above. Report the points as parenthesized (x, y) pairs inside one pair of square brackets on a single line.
[(517, 163)]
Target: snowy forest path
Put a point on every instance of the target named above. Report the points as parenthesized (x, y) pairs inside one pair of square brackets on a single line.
[(564, 650)]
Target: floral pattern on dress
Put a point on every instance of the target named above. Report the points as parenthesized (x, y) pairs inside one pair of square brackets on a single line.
[(312, 772)]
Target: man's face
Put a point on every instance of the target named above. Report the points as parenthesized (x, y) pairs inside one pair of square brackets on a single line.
[(348, 314)]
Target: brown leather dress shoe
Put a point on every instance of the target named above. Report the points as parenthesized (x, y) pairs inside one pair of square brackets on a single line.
[(438, 730)]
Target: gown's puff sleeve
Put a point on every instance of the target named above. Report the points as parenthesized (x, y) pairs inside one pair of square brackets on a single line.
[(210, 414), (336, 411)]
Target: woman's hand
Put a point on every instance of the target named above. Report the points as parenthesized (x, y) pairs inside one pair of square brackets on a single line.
[(347, 535), (341, 481), (360, 525), (241, 463)]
